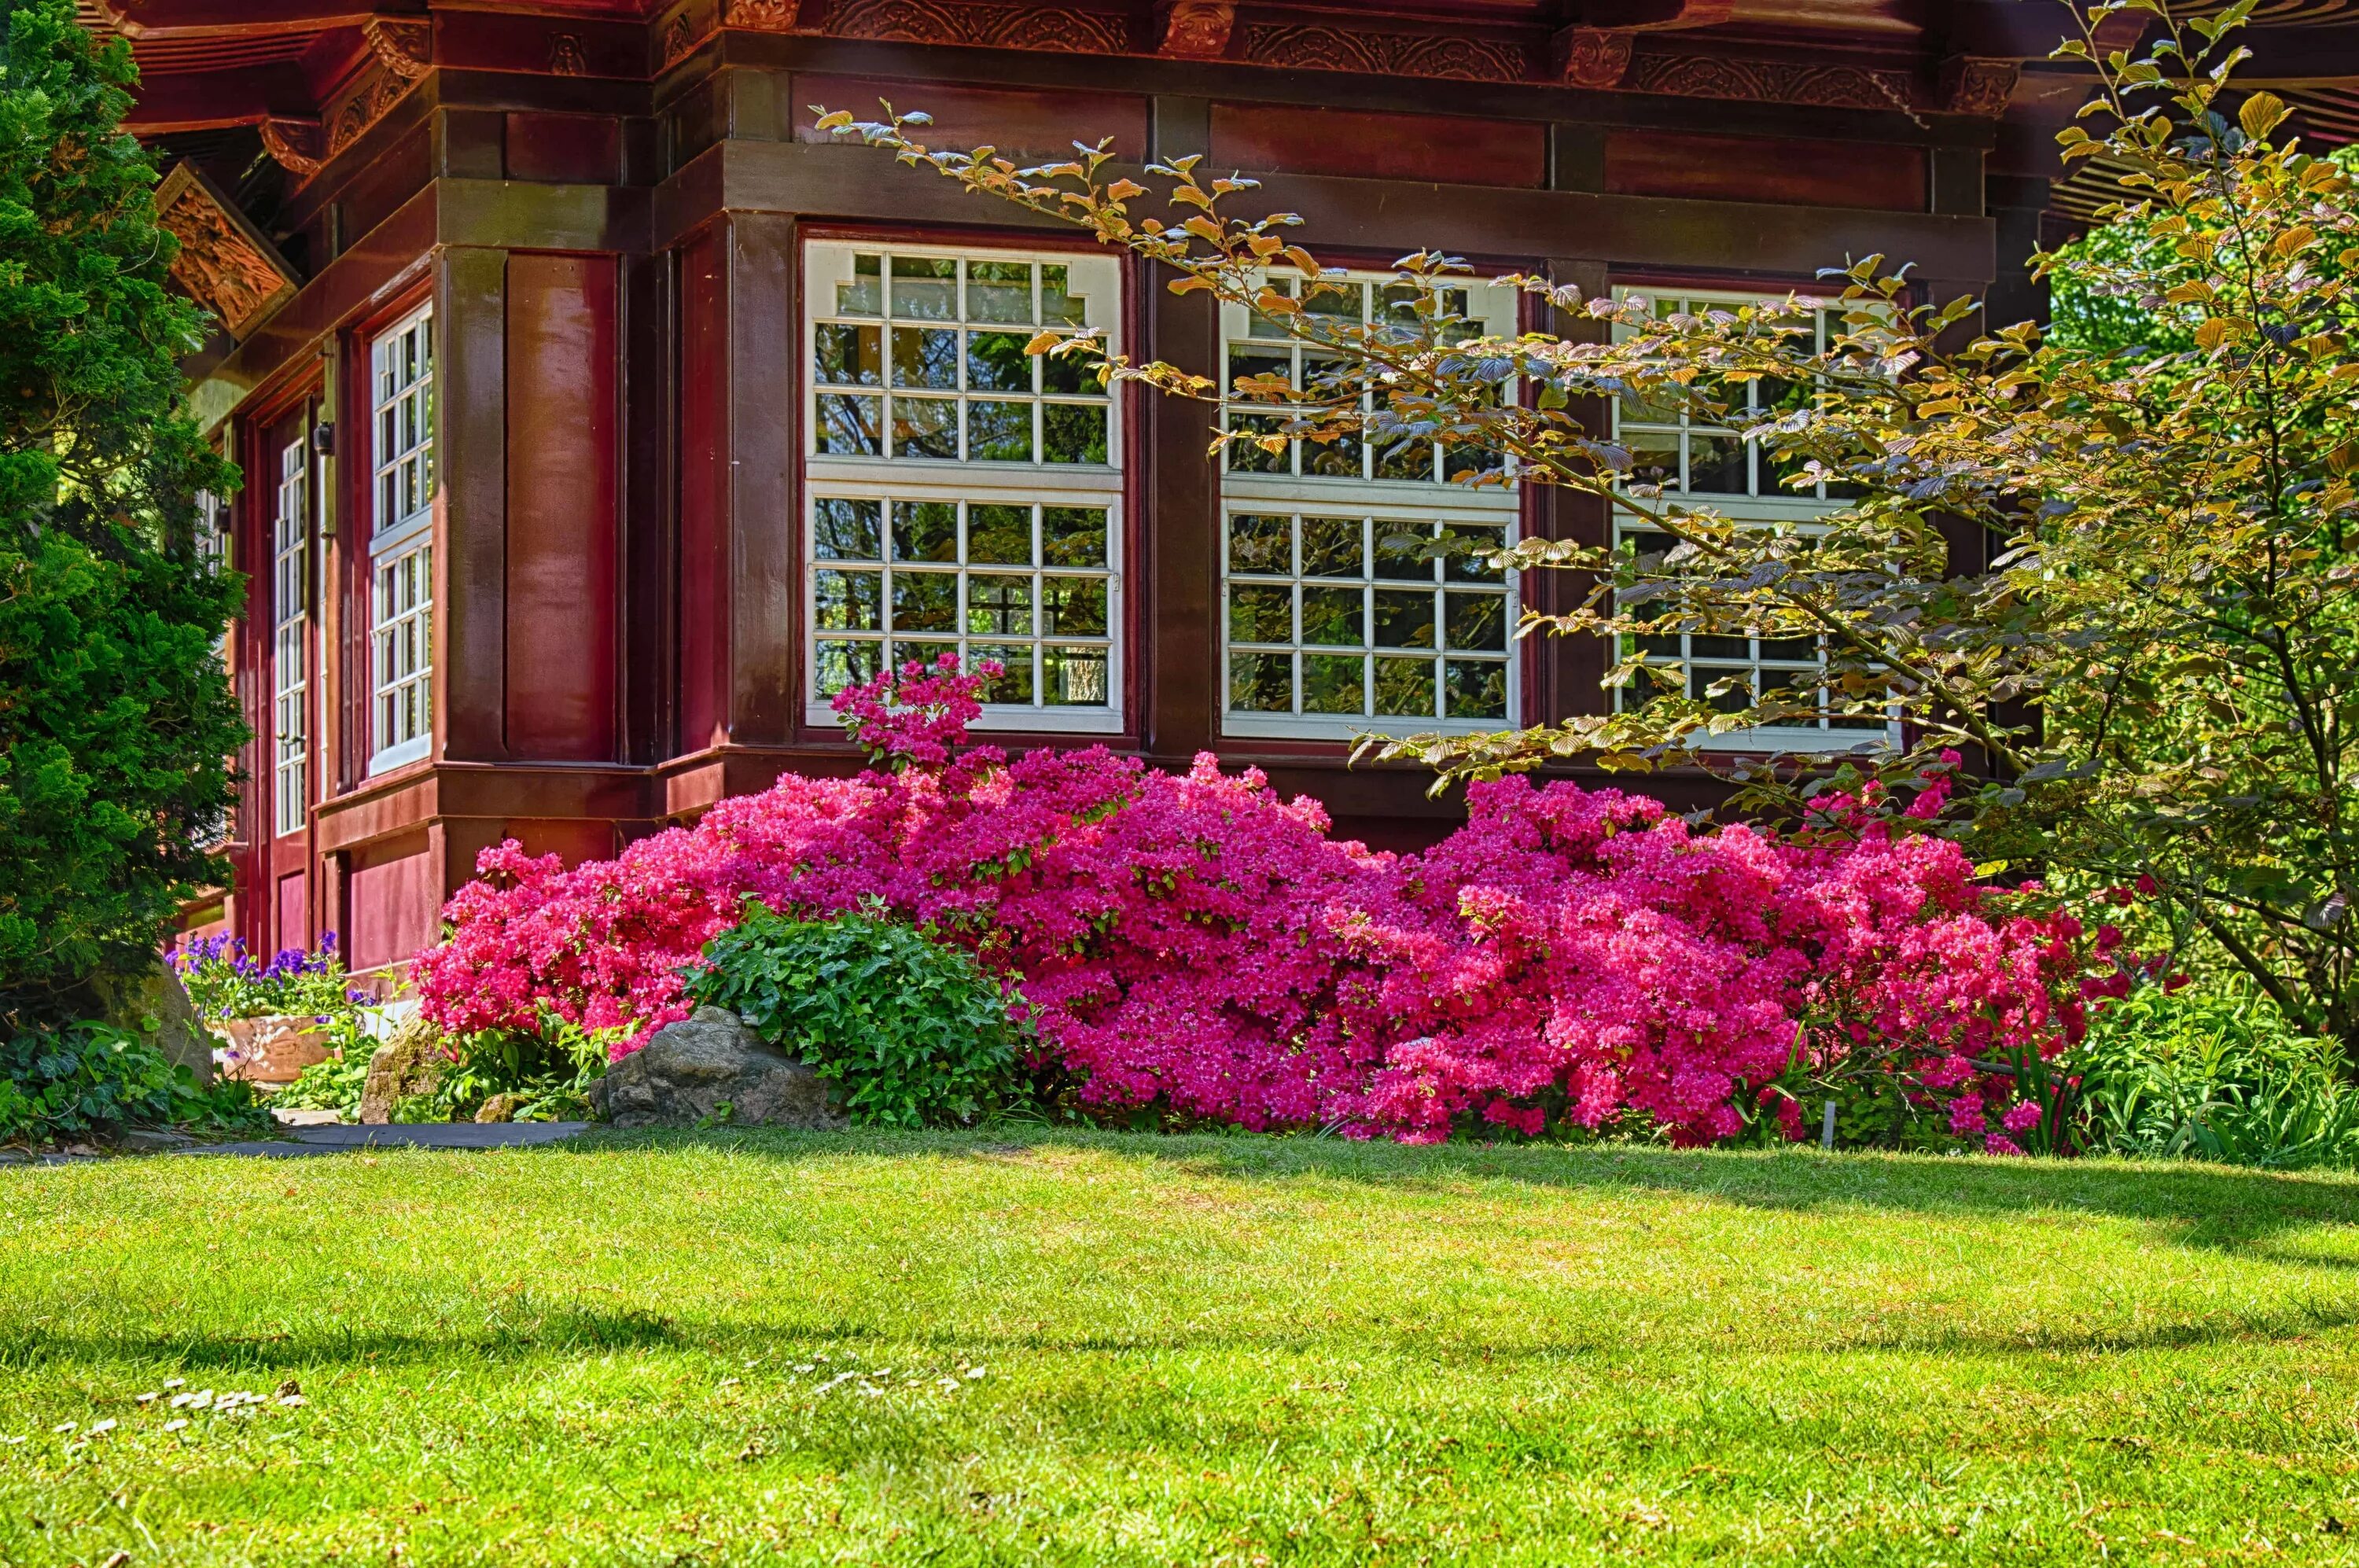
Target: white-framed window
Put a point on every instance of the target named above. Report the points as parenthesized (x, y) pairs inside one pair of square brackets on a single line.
[(290, 621), (1713, 466), (401, 541), (963, 495), (1337, 615)]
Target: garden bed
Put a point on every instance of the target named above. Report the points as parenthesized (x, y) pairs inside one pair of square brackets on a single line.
[(1147, 1350)]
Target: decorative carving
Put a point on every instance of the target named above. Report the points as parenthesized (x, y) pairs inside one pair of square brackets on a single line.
[(565, 57), (225, 264), (406, 48), (1590, 57), (1970, 86), (761, 16), (677, 41), (1771, 81), (293, 143), (1388, 54), (1054, 28), (1197, 29)]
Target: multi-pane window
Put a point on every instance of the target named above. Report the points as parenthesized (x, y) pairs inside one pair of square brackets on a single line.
[(1708, 462), (401, 542), (963, 495), (1352, 596), (290, 619)]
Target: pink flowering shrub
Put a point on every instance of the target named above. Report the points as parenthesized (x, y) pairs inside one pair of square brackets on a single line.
[(1194, 944)]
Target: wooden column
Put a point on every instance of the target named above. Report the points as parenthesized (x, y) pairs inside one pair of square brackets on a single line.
[(650, 653), (470, 612), (1564, 672), (762, 430), (1176, 564)]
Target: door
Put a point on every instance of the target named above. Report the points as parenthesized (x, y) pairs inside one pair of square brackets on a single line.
[(291, 678)]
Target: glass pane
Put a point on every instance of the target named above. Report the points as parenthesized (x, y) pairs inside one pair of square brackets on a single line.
[(1404, 619), (1459, 459), (1260, 613), (1716, 465), (925, 356), (1247, 457), (846, 529), (925, 426), (1476, 621), (1336, 459), (1246, 360), (849, 600), (1791, 650), (843, 664), (1334, 683), (1475, 690), (996, 362), (864, 295), (999, 291), (847, 353), (1074, 676), (1261, 682), (1405, 687), (1331, 547), (1334, 304), (850, 425), (1261, 326), (1654, 459), (1073, 607), (1464, 564), (1404, 459), (1400, 553), (1014, 684), (999, 535), (1059, 307), (999, 606), (998, 432), (1333, 616), (924, 530), (1734, 701), (930, 654), (1073, 536), (925, 601), (1261, 544), (925, 288), (1703, 646), (1074, 432), (1070, 373)]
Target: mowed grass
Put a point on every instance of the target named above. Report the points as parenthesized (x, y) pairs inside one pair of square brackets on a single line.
[(1234, 1351)]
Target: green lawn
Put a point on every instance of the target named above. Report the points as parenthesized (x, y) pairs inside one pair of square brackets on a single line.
[(1192, 1351)]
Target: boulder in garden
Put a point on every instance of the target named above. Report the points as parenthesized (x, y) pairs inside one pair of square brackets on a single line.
[(711, 1068), (411, 1063)]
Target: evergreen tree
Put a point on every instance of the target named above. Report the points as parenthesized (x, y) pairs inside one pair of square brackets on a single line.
[(115, 721)]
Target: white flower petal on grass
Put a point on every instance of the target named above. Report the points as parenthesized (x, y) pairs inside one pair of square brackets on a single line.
[(176, 1382), (147, 1398), (63, 1426), (174, 1425), (106, 1425), (973, 1372), (292, 1402)]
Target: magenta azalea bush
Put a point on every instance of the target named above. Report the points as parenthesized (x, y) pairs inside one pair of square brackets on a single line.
[(1193, 945)]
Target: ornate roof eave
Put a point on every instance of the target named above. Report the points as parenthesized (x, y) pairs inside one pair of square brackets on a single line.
[(224, 262)]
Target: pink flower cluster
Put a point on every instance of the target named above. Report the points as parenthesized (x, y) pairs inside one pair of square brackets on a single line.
[(1193, 942)]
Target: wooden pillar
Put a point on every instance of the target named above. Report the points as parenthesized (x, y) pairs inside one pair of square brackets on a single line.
[(763, 430), (1564, 673), (1176, 564), (649, 654), (471, 374)]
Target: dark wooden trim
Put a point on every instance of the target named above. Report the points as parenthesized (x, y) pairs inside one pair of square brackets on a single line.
[(471, 662), (763, 442), (648, 646)]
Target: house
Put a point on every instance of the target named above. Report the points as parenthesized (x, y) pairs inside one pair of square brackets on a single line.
[(599, 418)]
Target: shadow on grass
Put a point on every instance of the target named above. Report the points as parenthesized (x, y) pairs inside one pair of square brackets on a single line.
[(2192, 1205)]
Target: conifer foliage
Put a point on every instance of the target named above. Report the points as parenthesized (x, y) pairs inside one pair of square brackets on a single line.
[(115, 721)]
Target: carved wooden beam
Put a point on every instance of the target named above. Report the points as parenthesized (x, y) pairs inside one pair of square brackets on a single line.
[(256, 18), (405, 49), (1194, 29), (296, 146), (1652, 16), (240, 95), (1590, 57), (224, 262), (1970, 84)]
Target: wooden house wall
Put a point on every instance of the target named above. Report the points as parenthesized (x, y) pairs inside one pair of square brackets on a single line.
[(615, 266)]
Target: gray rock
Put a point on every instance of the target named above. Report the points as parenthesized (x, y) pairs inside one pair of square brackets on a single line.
[(691, 1070), (154, 1002), (501, 1107), (154, 1140), (412, 1062)]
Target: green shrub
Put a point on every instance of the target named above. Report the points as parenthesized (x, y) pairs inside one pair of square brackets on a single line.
[(910, 1030), (2214, 1074), (87, 1077)]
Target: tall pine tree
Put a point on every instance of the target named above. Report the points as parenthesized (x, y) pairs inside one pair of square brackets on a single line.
[(115, 721)]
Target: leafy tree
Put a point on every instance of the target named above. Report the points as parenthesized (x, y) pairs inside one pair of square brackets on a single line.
[(2159, 671), (115, 717)]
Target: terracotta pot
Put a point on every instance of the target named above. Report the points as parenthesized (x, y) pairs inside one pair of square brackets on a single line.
[(273, 1050)]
